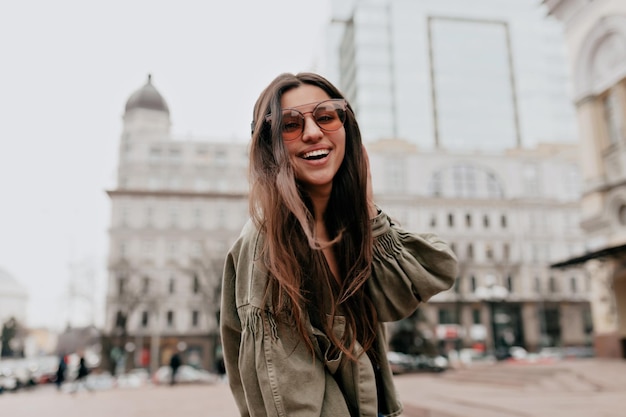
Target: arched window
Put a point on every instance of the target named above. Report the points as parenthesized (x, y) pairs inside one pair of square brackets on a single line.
[(465, 181)]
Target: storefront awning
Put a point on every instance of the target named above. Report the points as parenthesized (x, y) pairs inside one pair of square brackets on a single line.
[(608, 252)]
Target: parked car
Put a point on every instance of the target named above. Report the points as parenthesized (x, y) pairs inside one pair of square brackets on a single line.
[(401, 363), (186, 375)]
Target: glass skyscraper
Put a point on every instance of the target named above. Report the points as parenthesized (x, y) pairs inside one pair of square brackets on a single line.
[(482, 75)]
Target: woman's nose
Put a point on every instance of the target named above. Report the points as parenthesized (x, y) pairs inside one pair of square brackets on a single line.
[(311, 130)]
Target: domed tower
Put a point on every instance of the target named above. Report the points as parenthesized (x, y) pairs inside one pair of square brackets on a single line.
[(146, 116), (146, 127)]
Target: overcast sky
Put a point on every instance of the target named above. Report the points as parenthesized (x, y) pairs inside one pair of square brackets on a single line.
[(67, 68)]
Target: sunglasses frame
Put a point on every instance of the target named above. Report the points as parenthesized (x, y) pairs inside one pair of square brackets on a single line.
[(342, 105)]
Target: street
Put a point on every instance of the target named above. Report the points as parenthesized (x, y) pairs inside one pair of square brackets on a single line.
[(569, 388)]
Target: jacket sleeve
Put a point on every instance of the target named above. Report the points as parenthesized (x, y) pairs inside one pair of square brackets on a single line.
[(230, 329), (407, 269)]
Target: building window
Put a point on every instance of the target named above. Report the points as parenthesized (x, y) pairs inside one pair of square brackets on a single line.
[(436, 184), (447, 316), (172, 285), (433, 220), (198, 217), (121, 285), (530, 175), (220, 157), (395, 174), (195, 316), (476, 316), (573, 285), (552, 285), (120, 320), (170, 318), (173, 248), (503, 221), (174, 155), (489, 251), (621, 214), (173, 216), (486, 221), (468, 220), (155, 155), (473, 283), (149, 217), (506, 251), (145, 287), (612, 118), (461, 109), (144, 318), (451, 220), (509, 283), (465, 181), (196, 249), (470, 251), (196, 284), (537, 285), (148, 247), (125, 216)]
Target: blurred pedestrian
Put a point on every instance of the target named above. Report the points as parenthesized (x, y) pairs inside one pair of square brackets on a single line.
[(175, 363), (81, 376), (319, 269), (61, 371)]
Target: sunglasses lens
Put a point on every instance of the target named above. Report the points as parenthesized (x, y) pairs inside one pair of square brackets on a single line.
[(293, 124), (329, 115)]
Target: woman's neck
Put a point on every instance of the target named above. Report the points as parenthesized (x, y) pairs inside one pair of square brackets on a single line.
[(319, 199)]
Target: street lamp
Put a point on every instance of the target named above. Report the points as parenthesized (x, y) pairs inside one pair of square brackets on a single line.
[(491, 294)]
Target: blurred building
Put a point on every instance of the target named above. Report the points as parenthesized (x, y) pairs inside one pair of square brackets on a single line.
[(595, 33), (452, 74), (41, 341), (177, 207), (13, 299), (477, 92), (508, 215)]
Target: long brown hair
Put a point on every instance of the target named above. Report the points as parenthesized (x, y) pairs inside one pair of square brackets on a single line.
[(301, 283)]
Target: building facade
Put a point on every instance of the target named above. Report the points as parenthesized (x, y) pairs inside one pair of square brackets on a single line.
[(13, 304), (595, 33), (13, 299), (177, 207), (437, 72), (508, 216)]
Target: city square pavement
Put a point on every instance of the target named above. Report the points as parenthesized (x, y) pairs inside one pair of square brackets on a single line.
[(571, 388)]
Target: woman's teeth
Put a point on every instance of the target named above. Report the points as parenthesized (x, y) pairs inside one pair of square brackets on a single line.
[(316, 154)]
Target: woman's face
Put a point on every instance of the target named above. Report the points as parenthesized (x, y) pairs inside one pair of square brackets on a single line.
[(316, 155)]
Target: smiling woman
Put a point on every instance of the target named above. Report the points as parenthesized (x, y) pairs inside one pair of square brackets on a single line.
[(319, 268)]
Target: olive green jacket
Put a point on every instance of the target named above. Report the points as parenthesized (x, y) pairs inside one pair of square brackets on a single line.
[(271, 371)]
